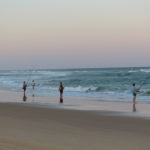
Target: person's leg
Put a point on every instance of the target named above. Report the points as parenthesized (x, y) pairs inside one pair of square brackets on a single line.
[(134, 108), (24, 93), (61, 97), (134, 102), (134, 99)]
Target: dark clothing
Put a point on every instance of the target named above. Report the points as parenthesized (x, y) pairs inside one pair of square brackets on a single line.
[(134, 94), (61, 90), (24, 87)]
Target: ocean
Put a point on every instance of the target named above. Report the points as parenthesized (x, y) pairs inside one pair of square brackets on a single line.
[(106, 83)]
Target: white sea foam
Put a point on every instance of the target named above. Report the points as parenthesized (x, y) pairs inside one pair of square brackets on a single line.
[(91, 83), (52, 73), (130, 71), (145, 70), (76, 89)]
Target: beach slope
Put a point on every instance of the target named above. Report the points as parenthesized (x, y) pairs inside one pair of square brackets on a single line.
[(31, 128)]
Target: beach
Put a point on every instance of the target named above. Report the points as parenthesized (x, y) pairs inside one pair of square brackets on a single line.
[(26, 126), (74, 75)]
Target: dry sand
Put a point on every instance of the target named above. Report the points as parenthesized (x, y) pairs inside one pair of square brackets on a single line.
[(31, 128)]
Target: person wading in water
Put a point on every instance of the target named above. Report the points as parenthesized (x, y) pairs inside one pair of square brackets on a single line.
[(61, 89), (135, 91), (24, 87)]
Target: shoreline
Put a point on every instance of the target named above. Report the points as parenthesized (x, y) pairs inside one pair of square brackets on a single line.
[(33, 126), (97, 105)]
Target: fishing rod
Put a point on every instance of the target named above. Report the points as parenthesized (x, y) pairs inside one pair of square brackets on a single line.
[(29, 77)]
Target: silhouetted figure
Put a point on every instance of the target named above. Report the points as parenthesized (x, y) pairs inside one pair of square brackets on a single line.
[(24, 98), (24, 87), (61, 89), (134, 92)]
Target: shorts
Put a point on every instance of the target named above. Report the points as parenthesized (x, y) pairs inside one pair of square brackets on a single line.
[(134, 94), (61, 91), (24, 89)]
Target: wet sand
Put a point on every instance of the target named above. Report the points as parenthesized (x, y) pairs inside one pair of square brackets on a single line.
[(26, 126), (31, 128)]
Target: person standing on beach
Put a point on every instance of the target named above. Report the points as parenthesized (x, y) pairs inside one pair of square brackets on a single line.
[(24, 87), (33, 87), (134, 92), (61, 89), (33, 84)]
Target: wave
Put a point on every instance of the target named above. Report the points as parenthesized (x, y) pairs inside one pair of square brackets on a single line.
[(76, 89), (145, 70), (101, 82), (85, 89), (146, 93), (130, 71), (140, 70), (52, 73)]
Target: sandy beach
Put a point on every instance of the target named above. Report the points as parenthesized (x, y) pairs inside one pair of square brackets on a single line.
[(75, 75), (33, 128)]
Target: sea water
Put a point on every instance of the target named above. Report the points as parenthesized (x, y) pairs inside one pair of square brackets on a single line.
[(107, 83)]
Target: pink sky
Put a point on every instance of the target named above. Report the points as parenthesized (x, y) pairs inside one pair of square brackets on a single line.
[(72, 34)]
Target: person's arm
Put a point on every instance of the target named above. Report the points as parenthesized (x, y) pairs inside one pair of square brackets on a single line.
[(137, 90)]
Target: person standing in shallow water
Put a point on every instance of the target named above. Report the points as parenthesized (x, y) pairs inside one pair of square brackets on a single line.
[(33, 84), (134, 92), (61, 90), (33, 87), (24, 87)]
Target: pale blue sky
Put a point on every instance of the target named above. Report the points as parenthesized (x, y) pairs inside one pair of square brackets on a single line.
[(74, 33)]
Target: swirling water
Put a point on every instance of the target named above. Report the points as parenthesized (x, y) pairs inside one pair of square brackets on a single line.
[(99, 82)]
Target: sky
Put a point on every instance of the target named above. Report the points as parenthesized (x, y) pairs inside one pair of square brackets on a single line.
[(74, 33)]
